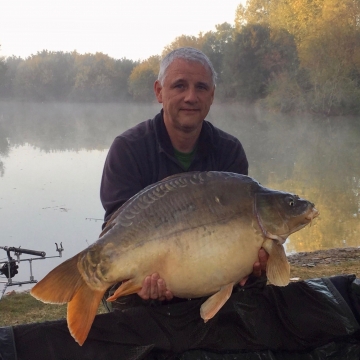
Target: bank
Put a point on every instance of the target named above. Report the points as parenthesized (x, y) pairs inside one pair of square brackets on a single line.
[(21, 308)]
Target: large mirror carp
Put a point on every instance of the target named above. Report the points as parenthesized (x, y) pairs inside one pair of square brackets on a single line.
[(201, 231)]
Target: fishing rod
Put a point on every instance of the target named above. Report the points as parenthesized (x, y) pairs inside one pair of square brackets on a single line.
[(10, 267)]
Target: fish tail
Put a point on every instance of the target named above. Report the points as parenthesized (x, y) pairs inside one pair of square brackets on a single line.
[(60, 284), (64, 284), (81, 311)]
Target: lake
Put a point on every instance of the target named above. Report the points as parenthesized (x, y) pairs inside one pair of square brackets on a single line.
[(52, 155)]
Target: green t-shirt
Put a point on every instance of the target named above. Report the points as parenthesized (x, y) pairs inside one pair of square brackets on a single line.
[(185, 159)]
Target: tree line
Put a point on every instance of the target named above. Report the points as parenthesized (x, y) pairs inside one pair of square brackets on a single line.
[(285, 55), (61, 76)]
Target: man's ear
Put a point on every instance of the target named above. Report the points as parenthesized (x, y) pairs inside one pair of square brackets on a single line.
[(158, 91), (212, 94)]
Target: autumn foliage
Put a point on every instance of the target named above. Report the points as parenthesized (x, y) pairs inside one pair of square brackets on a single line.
[(285, 55)]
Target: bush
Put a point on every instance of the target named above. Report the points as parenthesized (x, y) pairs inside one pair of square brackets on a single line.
[(284, 95)]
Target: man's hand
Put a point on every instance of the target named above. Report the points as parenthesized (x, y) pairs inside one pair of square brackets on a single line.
[(154, 288), (259, 266)]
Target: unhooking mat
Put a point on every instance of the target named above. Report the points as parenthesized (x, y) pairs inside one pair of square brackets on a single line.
[(314, 319)]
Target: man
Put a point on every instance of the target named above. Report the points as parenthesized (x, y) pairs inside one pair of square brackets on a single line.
[(178, 139), (264, 322)]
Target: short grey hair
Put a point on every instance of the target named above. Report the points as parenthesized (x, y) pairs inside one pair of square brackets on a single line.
[(188, 54)]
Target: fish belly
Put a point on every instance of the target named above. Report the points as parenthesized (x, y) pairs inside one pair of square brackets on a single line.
[(196, 262)]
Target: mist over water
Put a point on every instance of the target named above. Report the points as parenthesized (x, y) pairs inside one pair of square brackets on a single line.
[(52, 155)]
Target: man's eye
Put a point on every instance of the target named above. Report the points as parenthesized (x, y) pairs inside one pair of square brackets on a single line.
[(202, 87)]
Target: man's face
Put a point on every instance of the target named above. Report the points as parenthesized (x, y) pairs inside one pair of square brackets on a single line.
[(186, 95)]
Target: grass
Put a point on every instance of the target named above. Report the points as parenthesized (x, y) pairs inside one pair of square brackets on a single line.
[(22, 308)]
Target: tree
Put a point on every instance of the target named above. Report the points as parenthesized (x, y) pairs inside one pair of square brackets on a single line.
[(182, 41), (142, 79), (44, 76), (8, 86), (326, 34), (257, 55), (255, 12), (123, 69), (214, 44), (94, 74), (331, 52), (3, 80)]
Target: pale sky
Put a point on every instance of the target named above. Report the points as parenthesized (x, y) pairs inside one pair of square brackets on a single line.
[(135, 29)]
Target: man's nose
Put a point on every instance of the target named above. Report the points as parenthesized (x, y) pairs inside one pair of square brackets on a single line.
[(190, 95)]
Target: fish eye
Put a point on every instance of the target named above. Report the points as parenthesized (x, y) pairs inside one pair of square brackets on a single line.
[(291, 201)]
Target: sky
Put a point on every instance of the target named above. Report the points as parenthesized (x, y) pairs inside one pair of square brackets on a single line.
[(133, 29)]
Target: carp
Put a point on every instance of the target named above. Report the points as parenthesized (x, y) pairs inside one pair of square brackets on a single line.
[(200, 231)]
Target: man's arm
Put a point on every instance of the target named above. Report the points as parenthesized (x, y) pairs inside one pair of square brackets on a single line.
[(121, 178), (229, 153), (235, 159)]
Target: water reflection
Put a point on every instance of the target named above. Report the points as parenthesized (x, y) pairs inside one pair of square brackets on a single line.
[(4, 148), (69, 127), (317, 158)]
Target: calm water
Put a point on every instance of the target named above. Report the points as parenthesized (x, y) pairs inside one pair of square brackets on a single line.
[(52, 155)]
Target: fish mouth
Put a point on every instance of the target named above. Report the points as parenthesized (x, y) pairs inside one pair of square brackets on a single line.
[(308, 218), (313, 213)]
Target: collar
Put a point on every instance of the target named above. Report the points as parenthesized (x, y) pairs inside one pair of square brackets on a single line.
[(205, 142)]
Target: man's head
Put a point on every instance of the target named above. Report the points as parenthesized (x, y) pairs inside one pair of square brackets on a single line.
[(188, 54), (185, 87)]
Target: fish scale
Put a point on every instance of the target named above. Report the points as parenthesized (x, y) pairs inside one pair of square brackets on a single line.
[(201, 232)]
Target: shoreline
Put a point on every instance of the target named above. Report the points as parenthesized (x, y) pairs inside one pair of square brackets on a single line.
[(326, 257)]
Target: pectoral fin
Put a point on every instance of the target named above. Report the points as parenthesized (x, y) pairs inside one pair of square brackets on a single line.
[(126, 288), (277, 267), (215, 302)]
